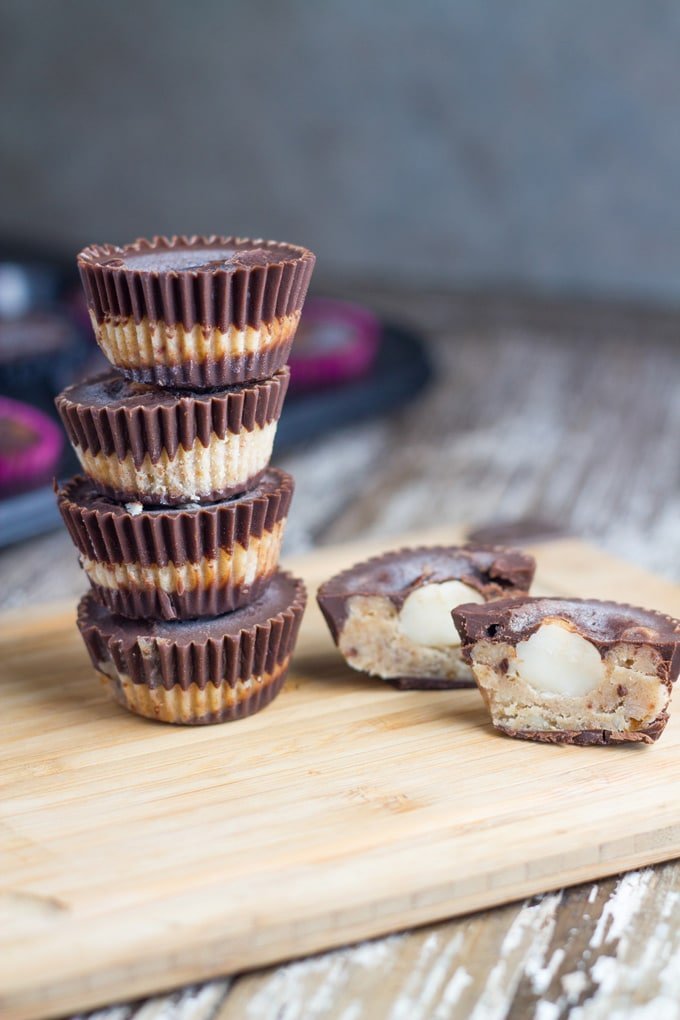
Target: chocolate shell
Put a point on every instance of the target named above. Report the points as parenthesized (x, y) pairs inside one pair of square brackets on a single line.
[(218, 653), (491, 570), (196, 312), (606, 625), (110, 416), (108, 533), (424, 683), (212, 281), (603, 623), (213, 373), (591, 738)]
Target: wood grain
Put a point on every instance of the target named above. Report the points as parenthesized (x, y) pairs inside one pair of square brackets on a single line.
[(137, 855), (590, 953), (589, 393)]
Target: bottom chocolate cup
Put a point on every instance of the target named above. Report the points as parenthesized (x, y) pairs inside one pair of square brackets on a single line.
[(194, 672), (591, 738)]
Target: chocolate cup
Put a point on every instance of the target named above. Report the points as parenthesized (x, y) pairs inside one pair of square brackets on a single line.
[(132, 426), (491, 570), (156, 604), (135, 549), (242, 289), (604, 624), (234, 663), (231, 285), (129, 494)]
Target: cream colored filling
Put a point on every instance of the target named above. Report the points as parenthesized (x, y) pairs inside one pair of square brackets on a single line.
[(131, 344), (191, 474), (238, 566), (183, 706), (373, 641), (628, 696)]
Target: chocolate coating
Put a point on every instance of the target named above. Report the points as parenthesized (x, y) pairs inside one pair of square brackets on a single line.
[(211, 281), (490, 570), (604, 624), (248, 642), (108, 414), (106, 532), (180, 259), (525, 531), (214, 496), (592, 738), (213, 373)]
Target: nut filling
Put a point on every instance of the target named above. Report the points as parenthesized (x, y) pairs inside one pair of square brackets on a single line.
[(418, 641), (626, 696)]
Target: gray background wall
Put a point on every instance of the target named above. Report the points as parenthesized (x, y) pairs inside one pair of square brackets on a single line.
[(467, 142)]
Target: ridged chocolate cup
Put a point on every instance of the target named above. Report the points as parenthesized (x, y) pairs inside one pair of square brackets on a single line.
[(178, 564), (165, 318), (162, 447), (200, 671)]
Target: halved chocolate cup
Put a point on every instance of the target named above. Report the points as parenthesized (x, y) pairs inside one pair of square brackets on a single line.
[(178, 563), (196, 312), (372, 611), (196, 672), (572, 671), (162, 447)]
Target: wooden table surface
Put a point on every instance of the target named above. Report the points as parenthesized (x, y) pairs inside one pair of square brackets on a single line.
[(561, 411)]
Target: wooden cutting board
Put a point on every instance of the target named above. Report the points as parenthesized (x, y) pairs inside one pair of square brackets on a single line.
[(136, 856)]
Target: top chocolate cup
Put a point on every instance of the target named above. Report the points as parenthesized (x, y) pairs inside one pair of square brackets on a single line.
[(196, 312)]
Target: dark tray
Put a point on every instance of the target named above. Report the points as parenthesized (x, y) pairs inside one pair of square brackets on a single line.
[(401, 370)]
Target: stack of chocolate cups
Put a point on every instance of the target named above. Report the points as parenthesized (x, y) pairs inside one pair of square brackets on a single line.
[(178, 519)]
